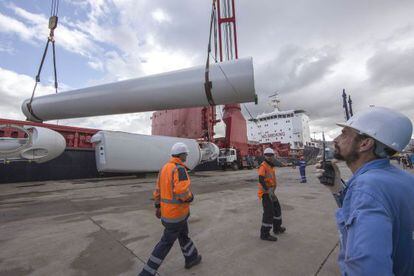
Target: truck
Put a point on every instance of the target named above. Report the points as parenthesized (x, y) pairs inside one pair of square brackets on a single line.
[(231, 158)]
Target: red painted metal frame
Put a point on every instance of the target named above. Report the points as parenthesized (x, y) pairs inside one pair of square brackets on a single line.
[(76, 137), (221, 20), (236, 127)]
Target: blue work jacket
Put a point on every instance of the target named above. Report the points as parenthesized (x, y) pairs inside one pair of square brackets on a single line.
[(376, 222)]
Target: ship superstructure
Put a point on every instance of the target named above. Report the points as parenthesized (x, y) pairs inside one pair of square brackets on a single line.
[(285, 126)]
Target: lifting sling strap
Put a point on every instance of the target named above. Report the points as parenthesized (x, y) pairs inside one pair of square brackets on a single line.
[(53, 20)]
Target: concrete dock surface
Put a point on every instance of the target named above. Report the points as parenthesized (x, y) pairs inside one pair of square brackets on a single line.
[(108, 227)]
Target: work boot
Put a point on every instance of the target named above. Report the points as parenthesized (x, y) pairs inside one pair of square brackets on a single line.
[(196, 261), (279, 230), (268, 237)]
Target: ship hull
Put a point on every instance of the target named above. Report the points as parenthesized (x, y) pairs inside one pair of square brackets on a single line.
[(72, 164)]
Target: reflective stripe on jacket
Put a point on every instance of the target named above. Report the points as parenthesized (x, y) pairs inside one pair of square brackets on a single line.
[(173, 192), (269, 174)]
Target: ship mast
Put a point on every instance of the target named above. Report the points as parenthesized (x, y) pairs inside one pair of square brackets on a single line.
[(275, 101)]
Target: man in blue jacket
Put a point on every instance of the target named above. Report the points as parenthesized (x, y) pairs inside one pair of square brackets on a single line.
[(375, 218), (302, 169)]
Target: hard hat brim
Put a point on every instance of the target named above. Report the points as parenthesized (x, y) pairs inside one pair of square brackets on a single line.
[(342, 124), (350, 126), (184, 152)]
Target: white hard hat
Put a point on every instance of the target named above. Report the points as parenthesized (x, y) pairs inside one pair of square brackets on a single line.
[(268, 151), (386, 126), (179, 148)]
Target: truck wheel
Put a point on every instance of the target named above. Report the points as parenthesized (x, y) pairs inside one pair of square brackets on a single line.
[(234, 166)]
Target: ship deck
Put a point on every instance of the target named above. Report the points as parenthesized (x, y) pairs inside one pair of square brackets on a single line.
[(108, 227)]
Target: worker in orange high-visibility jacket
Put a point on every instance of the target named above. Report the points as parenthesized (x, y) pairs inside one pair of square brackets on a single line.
[(272, 214), (172, 202)]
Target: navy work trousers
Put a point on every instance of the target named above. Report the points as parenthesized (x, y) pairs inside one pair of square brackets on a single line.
[(272, 215), (172, 232), (302, 171)]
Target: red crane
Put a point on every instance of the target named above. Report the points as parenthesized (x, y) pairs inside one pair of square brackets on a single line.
[(199, 122), (236, 128)]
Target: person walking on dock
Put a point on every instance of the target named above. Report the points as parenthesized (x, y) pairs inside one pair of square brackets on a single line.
[(302, 169), (409, 161), (376, 207), (272, 214), (172, 202)]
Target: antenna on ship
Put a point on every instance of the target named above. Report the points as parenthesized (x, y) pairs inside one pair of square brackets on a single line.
[(275, 101), (347, 105)]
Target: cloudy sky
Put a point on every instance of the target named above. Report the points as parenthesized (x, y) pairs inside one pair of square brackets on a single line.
[(307, 51)]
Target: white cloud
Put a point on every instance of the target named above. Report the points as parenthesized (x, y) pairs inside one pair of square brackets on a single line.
[(96, 64), (138, 49), (35, 19), (11, 25), (134, 123), (7, 48), (136, 52), (160, 60), (14, 88), (160, 16), (33, 28)]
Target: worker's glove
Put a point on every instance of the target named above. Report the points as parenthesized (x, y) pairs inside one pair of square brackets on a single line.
[(329, 175), (158, 212), (190, 199)]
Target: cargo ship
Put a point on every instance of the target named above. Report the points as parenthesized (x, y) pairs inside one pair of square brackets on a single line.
[(286, 127)]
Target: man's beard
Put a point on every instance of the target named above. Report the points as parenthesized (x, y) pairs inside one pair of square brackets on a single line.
[(353, 156), (337, 155), (271, 162)]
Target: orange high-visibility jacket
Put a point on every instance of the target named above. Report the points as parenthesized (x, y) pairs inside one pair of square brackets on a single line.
[(269, 174), (173, 192)]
